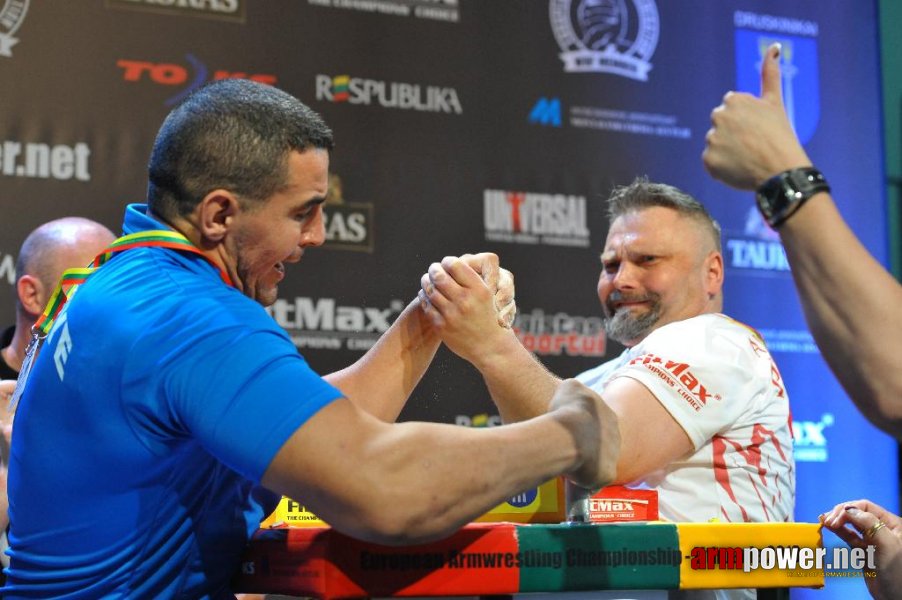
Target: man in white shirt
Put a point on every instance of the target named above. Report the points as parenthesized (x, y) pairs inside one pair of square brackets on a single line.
[(703, 412)]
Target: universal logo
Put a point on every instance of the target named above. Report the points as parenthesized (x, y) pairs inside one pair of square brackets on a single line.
[(606, 36), (11, 18), (349, 225), (228, 10)]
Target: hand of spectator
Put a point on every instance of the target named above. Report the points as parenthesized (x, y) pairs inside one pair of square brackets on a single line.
[(872, 524), (595, 430), (470, 301), (751, 139)]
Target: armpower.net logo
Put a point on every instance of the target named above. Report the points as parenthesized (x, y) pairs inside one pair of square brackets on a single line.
[(797, 561)]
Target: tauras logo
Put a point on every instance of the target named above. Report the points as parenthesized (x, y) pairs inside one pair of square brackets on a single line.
[(678, 373), (232, 10), (552, 334), (43, 161), (757, 248), (325, 324), (349, 225), (11, 18), (535, 218), (388, 94)]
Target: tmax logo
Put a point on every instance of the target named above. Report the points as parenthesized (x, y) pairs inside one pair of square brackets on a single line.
[(11, 18), (189, 77), (810, 440), (547, 111)]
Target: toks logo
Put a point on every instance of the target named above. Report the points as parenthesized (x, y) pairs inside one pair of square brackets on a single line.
[(530, 218), (678, 374), (171, 74), (403, 96)]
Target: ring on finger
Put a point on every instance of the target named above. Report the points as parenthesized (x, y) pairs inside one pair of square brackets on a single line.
[(873, 529)]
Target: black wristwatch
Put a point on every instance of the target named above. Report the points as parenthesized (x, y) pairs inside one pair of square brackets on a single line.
[(782, 195)]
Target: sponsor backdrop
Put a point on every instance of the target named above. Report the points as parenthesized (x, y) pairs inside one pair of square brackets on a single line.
[(464, 126)]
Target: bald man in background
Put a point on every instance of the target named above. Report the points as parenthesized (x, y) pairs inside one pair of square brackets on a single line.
[(47, 251)]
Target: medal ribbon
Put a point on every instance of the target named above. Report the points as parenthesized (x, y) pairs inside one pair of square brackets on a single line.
[(72, 278)]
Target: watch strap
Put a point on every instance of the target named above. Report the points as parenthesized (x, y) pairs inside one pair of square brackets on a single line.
[(782, 195)]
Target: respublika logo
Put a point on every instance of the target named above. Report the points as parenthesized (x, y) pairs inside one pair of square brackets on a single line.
[(554, 334), (189, 77), (324, 324), (437, 10), (349, 225), (11, 18), (534, 218), (387, 94), (38, 160), (798, 63), (231, 10), (606, 36)]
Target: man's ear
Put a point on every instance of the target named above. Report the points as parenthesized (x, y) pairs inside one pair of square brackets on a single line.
[(32, 294), (215, 215), (714, 273)]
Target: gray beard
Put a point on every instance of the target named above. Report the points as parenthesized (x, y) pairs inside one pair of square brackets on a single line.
[(624, 327)]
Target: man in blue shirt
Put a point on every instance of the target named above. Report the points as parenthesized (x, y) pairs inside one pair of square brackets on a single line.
[(167, 411)]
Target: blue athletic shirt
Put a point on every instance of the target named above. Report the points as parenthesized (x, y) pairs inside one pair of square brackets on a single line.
[(156, 404)]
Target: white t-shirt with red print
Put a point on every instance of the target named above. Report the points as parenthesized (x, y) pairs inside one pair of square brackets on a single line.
[(719, 382)]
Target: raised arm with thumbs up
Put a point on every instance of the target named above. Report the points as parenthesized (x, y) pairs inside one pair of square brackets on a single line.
[(851, 302)]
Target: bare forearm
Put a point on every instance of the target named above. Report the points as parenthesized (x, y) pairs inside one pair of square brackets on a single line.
[(852, 305), (397, 362), (423, 481), (520, 385)]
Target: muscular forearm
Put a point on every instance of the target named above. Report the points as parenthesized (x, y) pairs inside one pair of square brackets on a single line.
[(852, 305), (413, 482), (396, 362), (520, 385)]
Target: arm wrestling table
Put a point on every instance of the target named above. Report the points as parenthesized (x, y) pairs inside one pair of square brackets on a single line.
[(485, 559)]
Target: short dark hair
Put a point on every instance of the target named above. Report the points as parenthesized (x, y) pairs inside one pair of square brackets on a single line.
[(642, 193), (233, 134)]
